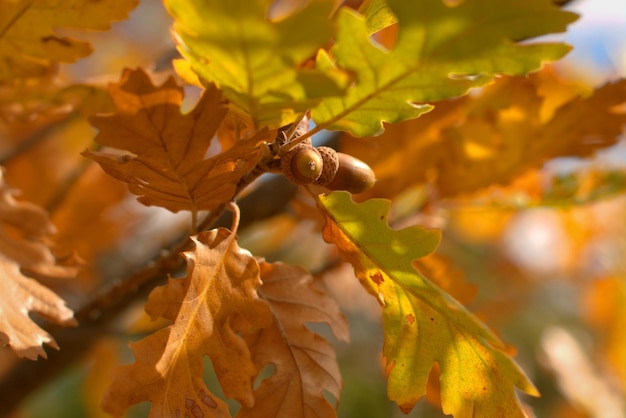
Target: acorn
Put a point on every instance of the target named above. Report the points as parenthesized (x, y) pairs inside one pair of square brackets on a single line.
[(302, 164), (305, 164), (353, 175)]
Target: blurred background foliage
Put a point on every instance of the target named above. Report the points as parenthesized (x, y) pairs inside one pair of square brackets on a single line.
[(543, 257)]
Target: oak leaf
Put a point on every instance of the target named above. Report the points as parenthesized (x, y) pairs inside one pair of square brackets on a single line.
[(23, 253), (29, 46), (422, 324), (206, 308), (305, 364), (442, 50), (165, 161), (505, 132), (511, 126), (26, 102), (255, 61), (377, 14)]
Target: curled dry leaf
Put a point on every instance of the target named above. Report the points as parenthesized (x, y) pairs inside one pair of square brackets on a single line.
[(164, 162), (209, 310), (23, 229), (305, 363)]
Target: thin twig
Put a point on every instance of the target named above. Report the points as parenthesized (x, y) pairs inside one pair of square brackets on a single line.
[(95, 317)]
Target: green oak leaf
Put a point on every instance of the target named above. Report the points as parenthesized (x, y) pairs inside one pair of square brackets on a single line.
[(422, 324), (255, 61), (377, 14), (441, 52)]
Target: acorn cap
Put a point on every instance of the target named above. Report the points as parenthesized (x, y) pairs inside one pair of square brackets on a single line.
[(331, 165)]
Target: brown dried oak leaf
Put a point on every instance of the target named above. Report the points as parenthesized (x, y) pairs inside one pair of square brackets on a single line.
[(305, 363), (23, 229), (209, 310), (165, 160)]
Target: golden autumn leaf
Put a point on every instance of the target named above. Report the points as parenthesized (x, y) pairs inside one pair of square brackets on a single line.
[(207, 309), (501, 140), (25, 102), (513, 125), (29, 44), (165, 160), (23, 253), (305, 363)]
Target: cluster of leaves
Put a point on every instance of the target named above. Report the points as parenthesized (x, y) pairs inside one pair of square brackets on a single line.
[(368, 71)]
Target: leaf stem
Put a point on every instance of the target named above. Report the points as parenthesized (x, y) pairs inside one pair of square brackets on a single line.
[(232, 206), (292, 142), (294, 127)]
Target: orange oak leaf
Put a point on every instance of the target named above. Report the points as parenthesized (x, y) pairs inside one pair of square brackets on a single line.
[(165, 160), (305, 363), (504, 138), (23, 252), (207, 309), (511, 126)]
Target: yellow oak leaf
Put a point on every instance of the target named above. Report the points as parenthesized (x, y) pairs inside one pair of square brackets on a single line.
[(29, 46), (23, 252), (423, 325), (165, 163), (207, 309), (305, 363)]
